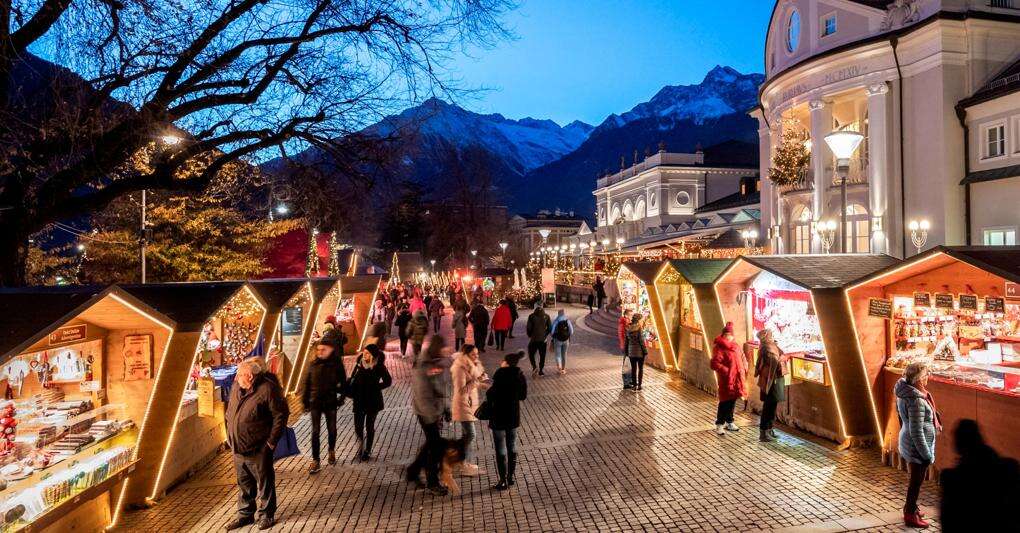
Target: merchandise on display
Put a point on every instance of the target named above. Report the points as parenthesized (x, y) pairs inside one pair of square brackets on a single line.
[(634, 296), (345, 310), (786, 309)]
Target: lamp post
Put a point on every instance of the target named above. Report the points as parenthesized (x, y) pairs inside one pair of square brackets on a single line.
[(433, 261), (619, 243), (826, 231), (919, 233), (502, 246), (750, 238), (843, 145), (474, 257)]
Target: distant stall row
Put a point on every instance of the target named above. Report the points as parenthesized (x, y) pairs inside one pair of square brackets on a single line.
[(114, 394), (850, 324)]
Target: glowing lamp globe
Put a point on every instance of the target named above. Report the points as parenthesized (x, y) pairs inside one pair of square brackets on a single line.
[(844, 143)]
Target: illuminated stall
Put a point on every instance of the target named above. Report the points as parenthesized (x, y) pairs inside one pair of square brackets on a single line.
[(361, 292), (289, 308), (220, 322), (958, 309), (79, 370), (800, 298), (691, 315), (636, 285)]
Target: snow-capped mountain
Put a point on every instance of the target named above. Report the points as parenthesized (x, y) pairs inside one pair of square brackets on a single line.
[(522, 144)]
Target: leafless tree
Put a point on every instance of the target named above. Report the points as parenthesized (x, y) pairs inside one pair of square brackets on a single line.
[(232, 78)]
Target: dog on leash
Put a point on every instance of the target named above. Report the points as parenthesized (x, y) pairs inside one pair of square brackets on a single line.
[(454, 454)]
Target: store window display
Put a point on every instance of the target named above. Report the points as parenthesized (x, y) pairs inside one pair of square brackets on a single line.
[(787, 310), (634, 297)]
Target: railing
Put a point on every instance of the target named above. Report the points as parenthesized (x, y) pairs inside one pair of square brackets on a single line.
[(1004, 4), (857, 174), (805, 183)]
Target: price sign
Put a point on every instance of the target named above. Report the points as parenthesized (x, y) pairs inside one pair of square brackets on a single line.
[(995, 305), (922, 299), (968, 301), (206, 396), (944, 301), (880, 307)]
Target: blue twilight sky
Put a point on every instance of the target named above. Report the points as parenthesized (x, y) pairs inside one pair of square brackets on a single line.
[(585, 59)]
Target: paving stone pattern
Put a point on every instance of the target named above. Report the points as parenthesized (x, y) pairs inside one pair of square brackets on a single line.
[(592, 458)]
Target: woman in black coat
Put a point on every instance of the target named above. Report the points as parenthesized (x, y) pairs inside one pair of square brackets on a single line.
[(368, 379), (509, 388)]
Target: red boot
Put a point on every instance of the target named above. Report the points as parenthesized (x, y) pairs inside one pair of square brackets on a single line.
[(915, 520)]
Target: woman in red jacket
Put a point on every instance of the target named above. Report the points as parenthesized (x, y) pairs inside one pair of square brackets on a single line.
[(621, 329), (501, 321), (730, 371)]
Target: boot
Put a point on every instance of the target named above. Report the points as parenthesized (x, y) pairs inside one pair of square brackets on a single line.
[(764, 436), (331, 458), (501, 464), (511, 467), (772, 433), (914, 519)]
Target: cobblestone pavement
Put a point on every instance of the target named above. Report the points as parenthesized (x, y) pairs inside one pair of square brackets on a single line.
[(592, 458)]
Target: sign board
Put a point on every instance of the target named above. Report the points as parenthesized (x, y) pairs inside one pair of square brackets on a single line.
[(880, 307), (1012, 291), (943, 301), (291, 320), (137, 357), (968, 301), (995, 305), (206, 396), (548, 280), (68, 334), (922, 299)]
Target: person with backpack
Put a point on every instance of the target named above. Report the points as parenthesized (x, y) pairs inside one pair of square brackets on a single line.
[(538, 330), (562, 330)]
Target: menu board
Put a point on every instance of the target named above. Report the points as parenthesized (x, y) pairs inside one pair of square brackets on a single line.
[(995, 305), (137, 357), (880, 307), (206, 397), (968, 301), (922, 299), (944, 301)]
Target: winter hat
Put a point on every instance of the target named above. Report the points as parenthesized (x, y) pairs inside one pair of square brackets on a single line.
[(331, 319), (728, 328), (513, 357)]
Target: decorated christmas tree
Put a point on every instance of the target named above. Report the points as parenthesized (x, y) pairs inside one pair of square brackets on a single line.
[(792, 157)]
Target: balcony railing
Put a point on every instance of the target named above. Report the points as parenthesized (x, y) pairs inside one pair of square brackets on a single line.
[(805, 183), (1004, 4), (857, 174)]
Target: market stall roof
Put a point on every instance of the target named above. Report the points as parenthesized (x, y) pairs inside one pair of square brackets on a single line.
[(644, 270), (828, 271), (353, 284), (730, 238), (277, 292), (321, 287), (190, 304), (698, 271), (1002, 261)]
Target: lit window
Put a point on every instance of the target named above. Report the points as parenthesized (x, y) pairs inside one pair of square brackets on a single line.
[(995, 140), (858, 235), (829, 25), (1000, 237), (793, 32)]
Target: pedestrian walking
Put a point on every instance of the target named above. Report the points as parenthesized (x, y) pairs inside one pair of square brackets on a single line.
[(417, 304), (255, 416), (378, 314), (479, 318), (430, 381), (538, 329), (468, 377), (459, 325), (391, 314), (417, 330), (562, 330), (981, 479), (514, 315), (322, 395), (368, 379), (634, 347), (509, 388), (401, 321), (770, 369), (436, 308), (501, 321), (591, 302), (600, 291), (730, 372), (919, 424)]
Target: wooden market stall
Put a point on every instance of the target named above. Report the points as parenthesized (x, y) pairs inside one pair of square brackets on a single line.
[(638, 293), (958, 309), (325, 302), (81, 366), (362, 292), (801, 299), (691, 315), (220, 323), (289, 313)]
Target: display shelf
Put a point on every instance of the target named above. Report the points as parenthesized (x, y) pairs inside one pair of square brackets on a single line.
[(59, 510), (805, 368)]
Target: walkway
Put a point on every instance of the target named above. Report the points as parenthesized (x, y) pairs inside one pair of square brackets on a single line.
[(593, 457)]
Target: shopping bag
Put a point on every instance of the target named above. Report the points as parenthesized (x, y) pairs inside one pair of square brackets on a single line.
[(628, 379), (484, 411), (287, 445)]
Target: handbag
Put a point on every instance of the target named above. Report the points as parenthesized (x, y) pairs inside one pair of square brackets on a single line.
[(287, 445), (628, 378), (492, 339), (484, 411)]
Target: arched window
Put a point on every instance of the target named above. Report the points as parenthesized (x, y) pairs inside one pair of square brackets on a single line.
[(858, 234), (615, 214), (628, 211), (800, 230), (639, 209)]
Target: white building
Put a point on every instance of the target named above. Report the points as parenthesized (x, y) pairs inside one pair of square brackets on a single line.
[(666, 189), (912, 76), (549, 228)]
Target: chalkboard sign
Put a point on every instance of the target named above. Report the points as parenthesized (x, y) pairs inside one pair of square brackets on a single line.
[(922, 299), (968, 301), (879, 307), (995, 305), (944, 301)]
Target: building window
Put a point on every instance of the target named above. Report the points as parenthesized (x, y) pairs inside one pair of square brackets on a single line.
[(858, 234), (995, 141), (801, 230), (682, 198), (793, 32), (828, 24), (1000, 237)]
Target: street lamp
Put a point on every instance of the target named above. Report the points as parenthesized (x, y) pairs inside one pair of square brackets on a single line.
[(502, 246), (826, 231), (433, 261), (619, 243), (282, 209), (843, 145), (919, 233), (750, 238), (605, 244)]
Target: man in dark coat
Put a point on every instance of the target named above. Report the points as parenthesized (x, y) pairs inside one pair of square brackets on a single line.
[(514, 315), (538, 329), (600, 291), (479, 318), (256, 416), (979, 490), (324, 382)]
